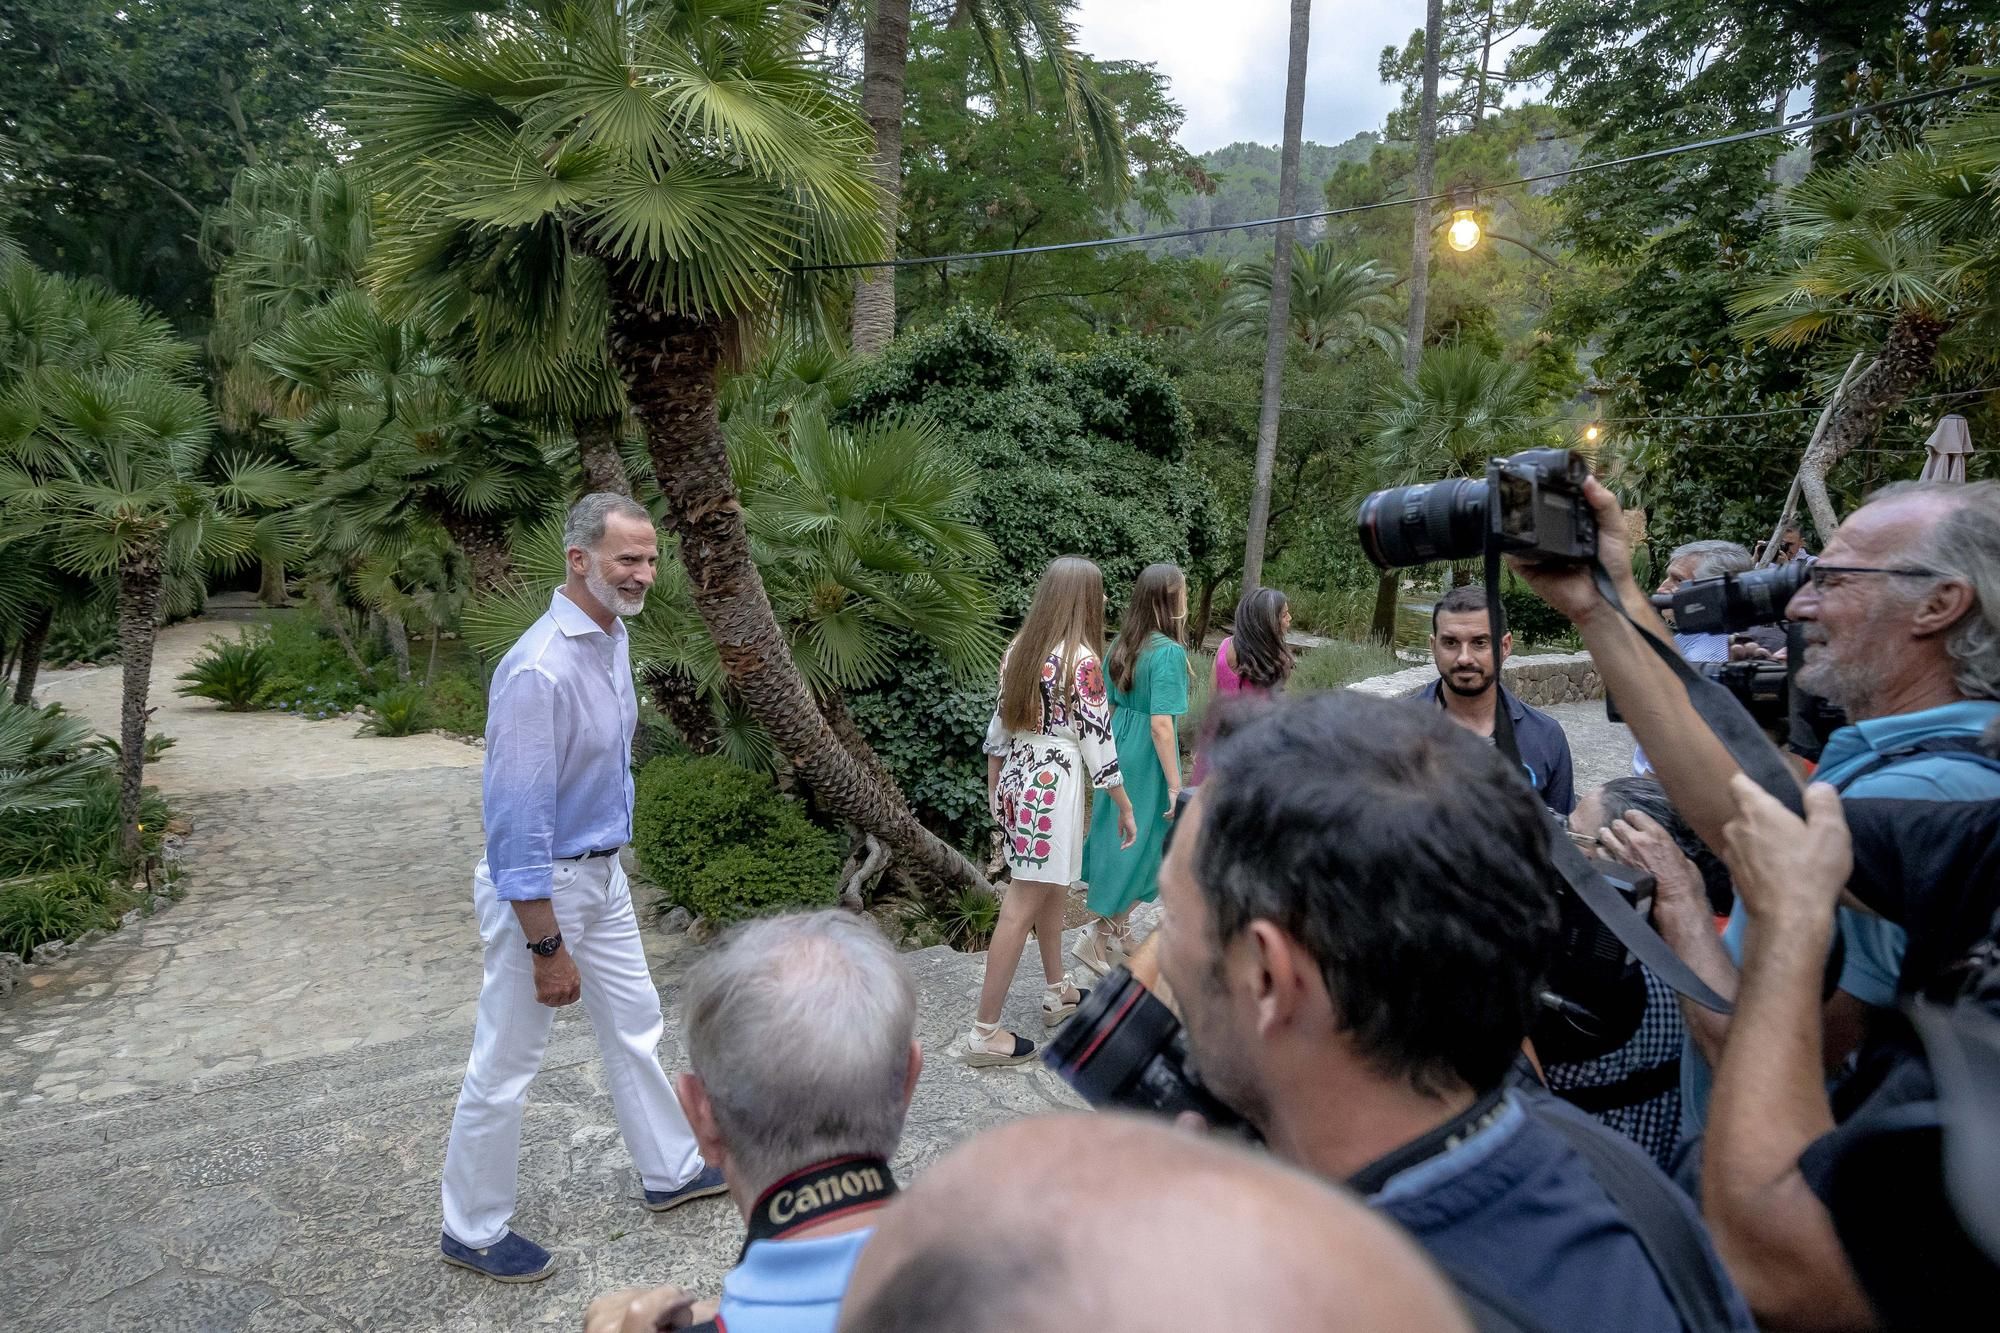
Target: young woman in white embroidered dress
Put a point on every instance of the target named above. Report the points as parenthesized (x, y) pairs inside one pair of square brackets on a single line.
[(1048, 744)]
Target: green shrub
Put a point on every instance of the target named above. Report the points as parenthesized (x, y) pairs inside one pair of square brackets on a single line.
[(400, 710), (47, 760), (927, 726), (1533, 622), (1342, 662), (83, 635), (157, 744), (84, 834), (236, 675), (457, 704), (59, 905), (310, 673), (722, 842)]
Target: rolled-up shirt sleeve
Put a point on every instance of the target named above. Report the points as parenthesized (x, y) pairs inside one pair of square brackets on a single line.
[(520, 786)]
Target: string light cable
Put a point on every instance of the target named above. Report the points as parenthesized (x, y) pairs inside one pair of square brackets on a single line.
[(1632, 159)]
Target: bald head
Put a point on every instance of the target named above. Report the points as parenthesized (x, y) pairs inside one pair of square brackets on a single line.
[(1113, 1223)]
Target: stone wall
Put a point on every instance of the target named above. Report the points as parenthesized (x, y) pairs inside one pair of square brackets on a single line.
[(1541, 679)]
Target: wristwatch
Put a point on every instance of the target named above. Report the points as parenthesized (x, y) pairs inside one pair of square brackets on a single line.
[(546, 945)]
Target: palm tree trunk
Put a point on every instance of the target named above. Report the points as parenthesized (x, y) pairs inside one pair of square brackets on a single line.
[(885, 58), (677, 696), (487, 546), (1426, 182), (336, 625), (1383, 629), (271, 584), (1279, 326), (597, 453), (32, 640), (141, 584), (669, 363), (398, 635), (1204, 610), (1906, 357)]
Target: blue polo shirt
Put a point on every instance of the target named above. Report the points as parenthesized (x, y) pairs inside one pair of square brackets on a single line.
[(790, 1286), (1515, 1207), (1874, 958), (1543, 746)]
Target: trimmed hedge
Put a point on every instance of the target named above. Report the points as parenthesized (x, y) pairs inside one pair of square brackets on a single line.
[(722, 841)]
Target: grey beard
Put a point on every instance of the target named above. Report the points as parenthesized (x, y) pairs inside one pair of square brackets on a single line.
[(1848, 686), (612, 600)]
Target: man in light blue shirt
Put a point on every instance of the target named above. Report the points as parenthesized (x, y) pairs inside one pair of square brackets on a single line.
[(554, 909), (801, 1032)]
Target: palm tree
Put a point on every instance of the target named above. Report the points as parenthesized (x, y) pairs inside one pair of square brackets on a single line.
[(113, 480), (1006, 28), (1278, 292), (1893, 258), (46, 759), (652, 177), (1463, 408), (1336, 303)]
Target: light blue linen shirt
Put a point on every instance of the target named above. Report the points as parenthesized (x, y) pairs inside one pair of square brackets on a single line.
[(559, 721), (791, 1286)]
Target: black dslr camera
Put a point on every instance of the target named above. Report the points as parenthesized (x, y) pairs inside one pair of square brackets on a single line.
[(1126, 1048), (1529, 504), (1731, 603)]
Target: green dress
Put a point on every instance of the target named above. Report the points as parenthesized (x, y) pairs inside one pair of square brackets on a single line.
[(1119, 877)]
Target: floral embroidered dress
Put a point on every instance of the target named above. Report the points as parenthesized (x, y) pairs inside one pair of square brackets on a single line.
[(1046, 773)]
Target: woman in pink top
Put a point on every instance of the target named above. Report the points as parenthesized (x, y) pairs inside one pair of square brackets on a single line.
[(1253, 660)]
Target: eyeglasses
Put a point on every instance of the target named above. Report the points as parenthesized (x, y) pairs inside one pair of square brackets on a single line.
[(1820, 573)]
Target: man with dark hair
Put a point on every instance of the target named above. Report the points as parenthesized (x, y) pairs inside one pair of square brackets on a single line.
[(1167, 1230), (1359, 908), (1469, 691)]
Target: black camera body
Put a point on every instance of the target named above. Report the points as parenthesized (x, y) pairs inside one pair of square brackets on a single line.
[(1595, 995), (1529, 504), (1733, 602)]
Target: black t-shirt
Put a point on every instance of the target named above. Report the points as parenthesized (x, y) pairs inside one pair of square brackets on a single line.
[(1931, 867)]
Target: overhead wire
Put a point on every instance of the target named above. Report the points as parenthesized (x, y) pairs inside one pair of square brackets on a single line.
[(1631, 159)]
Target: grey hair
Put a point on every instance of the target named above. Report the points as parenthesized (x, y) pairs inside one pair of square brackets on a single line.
[(799, 1027), (584, 528), (1964, 545), (1712, 559)]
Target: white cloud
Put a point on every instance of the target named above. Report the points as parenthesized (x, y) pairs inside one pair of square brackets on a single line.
[(1227, 61)]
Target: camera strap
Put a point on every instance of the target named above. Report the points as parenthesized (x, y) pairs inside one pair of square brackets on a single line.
[(1605, 902)]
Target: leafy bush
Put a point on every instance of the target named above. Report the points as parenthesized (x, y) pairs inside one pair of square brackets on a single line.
[(721, 841), (457, 704), (157, 744), (1533, 622), (59, 905), (1075, 454), (1342, 663), (927, 726), (400, 710), (81, 835), (236, 675), (310, 673), (83, 635)]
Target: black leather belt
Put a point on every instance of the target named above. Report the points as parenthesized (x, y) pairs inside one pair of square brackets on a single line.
[(590, 856)]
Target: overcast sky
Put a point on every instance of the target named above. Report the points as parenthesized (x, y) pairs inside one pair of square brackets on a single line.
[(1227, 61)]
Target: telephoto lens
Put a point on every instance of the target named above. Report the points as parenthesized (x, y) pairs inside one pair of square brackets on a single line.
[(1125, 1050), (1415, 525)]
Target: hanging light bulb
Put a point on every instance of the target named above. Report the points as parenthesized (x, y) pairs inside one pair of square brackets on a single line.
[(1464, 232), (1592, 432)]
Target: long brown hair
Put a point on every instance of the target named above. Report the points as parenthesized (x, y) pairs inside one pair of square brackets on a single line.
[(1263, 659), (1155, 608), (1067, 613)]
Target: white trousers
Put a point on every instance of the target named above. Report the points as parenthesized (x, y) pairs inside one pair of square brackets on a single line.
[(593, 906)]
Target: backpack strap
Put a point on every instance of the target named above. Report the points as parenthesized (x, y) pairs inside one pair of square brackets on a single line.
[(1657, 1213), (1965, 746)]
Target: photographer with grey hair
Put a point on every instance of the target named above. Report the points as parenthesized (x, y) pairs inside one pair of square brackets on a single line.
[(1703, 560), (1901, 621), (801, 1035)]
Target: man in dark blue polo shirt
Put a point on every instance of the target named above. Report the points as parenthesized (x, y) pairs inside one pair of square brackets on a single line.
[(1468, 688)]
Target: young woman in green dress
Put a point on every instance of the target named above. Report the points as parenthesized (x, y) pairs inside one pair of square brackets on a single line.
[(1148, 670)]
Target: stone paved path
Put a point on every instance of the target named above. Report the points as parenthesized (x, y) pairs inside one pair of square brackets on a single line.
[(232, 1116)]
